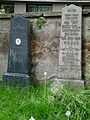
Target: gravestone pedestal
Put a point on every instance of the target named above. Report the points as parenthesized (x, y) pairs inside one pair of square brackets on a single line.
[(70, 46), (15, 79), (19, 53)]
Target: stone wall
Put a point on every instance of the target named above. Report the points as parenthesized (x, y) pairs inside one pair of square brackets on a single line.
[(44, 43), (86, 47), (19, 7), (4, 38)]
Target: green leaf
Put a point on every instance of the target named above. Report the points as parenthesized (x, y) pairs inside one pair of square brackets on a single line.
[(37, 19), (41, 18), (44, 22), (39, 26), (39, 14)]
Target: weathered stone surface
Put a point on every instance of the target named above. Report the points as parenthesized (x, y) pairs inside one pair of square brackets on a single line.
[(86, 30), (4, 25), (4, 38), (86, 64), (70, 44), (52, 14), (5, 16), (3, 63), (86, 50), (44, 45), (44, 48), (70, 83), (28, 15), (4, 42)]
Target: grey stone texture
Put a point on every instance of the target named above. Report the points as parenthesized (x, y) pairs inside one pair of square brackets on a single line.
[(45, 48), (70, 83), (70, 43), (4, 39), (86, 49), (44, 44), (20, 7)]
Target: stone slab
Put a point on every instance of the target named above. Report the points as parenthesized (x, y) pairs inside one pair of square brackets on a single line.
[(28, 15), (70, 43), (5, 16), (52, 14), (18, 57), (15, 79), (72, 83)]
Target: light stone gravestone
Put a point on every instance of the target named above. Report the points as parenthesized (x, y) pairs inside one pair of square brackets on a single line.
[(71, 45), (19, 55)]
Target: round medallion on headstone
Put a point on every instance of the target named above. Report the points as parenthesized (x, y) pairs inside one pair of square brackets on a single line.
[(18, 41)]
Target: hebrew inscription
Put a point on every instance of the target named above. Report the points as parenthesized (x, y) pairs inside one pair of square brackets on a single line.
[(70, 43)]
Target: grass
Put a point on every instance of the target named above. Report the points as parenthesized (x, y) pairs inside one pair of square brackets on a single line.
[(16, 104)]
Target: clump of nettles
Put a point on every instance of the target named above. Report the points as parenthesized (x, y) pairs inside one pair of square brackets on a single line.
[(40, 21)]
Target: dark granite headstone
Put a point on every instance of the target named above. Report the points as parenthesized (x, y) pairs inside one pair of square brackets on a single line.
[(19, 53)]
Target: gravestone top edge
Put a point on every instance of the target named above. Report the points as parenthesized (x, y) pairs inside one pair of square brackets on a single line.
[(18, 17), (71, 5), (17, 74)]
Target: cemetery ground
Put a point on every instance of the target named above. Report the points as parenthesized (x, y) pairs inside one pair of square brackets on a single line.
[(44, 103)]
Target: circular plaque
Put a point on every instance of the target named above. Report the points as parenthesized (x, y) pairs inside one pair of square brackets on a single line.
[(18, 41)]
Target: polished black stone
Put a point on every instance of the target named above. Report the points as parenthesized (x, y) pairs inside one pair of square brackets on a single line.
[(14, 79), (19, 52)]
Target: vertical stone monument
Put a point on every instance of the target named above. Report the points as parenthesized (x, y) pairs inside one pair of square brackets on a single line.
[(71, 45), (19, 55)]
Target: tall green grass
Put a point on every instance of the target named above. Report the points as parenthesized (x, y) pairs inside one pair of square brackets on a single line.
[(17, 104)]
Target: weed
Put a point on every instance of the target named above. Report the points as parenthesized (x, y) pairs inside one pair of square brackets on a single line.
[(16, 104)]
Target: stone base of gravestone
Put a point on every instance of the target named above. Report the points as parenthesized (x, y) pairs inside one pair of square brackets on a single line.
[(71, 83), (15, 79)]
